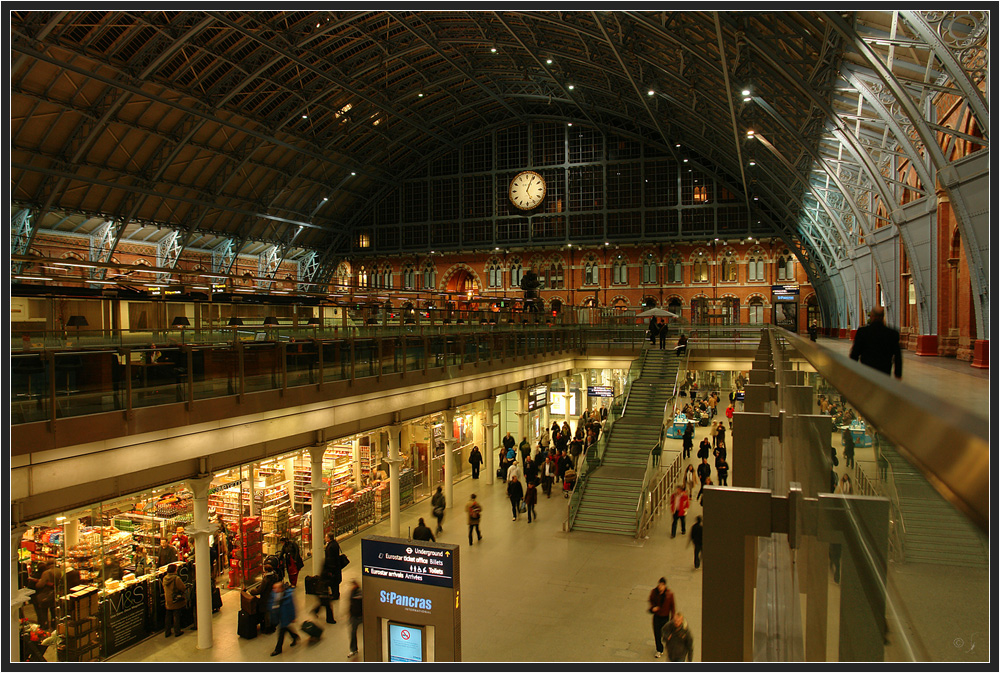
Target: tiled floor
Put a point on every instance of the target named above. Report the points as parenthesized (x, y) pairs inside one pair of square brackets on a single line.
[(531, 592)]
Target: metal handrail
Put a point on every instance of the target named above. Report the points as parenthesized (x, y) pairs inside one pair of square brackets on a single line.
[(918, 424)]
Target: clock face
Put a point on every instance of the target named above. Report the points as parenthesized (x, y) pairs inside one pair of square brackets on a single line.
[(527, 190)]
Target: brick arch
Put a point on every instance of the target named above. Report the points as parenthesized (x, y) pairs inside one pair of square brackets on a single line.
[(454, 270)]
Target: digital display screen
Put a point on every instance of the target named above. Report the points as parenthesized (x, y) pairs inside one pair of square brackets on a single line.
[(600, 391), (406, 642), (740, 394), (538, 397)]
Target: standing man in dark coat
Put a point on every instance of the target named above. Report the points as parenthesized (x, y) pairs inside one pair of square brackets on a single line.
[(475, 459), (877, 345), (332, 577), (663, 334), (696, 538)]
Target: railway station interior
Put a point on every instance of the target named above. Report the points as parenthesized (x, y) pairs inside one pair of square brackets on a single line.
[(278, 277)]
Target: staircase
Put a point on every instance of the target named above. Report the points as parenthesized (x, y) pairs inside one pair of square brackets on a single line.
[(613, 490), (935, 532)]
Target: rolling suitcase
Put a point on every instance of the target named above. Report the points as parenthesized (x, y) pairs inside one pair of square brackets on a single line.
[(246, 626), (312, 630), (315, 585)]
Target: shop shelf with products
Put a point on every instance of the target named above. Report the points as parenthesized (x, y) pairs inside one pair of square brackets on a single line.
[(405, 487)]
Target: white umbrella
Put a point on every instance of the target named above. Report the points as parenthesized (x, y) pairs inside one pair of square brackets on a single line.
[(658, 312)]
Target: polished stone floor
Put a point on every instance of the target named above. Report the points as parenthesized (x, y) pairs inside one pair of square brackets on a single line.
[(532, 592)]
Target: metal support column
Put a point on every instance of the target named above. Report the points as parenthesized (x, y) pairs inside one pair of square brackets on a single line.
[(449, 458), (394, 461), (488, 429), (317, 492)]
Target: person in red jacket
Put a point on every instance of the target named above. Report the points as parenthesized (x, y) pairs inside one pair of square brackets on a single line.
[(661, 606), (679, 503)]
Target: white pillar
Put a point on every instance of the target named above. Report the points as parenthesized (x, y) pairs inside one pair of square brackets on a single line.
[(318, 492), (72, 532), (253, 499), (584, 398), (488, 430), (394, 461), (202, 565), (356, 459), (567, 395), (522, 414), (449, 458)]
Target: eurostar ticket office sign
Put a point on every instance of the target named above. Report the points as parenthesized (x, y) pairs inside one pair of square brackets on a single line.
[(411, 600)]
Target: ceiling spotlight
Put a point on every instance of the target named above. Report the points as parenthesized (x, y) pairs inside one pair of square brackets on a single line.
[(305, 116), (420, 95), (747, 99), (685, 161), (569, 124), (326, 198), (493, 49), (353, 173), (548, 61), (650, 92), (749, 133), (753, 163), (745, 92), (570, 87)]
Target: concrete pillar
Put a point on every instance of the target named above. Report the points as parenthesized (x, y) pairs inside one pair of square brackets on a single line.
[(356, 462), (394, 462), (488, 429), (745, 457), (734, 516), (584, 398), (72, 534), (202, 567), (318, 493), (449, 458)]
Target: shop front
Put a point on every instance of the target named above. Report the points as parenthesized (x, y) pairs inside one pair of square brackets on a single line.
[(97, 572)]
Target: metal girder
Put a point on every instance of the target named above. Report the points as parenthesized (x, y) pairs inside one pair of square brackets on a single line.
[(308, 266), (168, 252), (267, 265), (971, 235), (23, 228), (103, 242), (223, 256), (918, 21)]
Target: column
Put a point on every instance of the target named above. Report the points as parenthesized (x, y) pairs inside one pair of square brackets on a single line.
[(202, 567), (253, 499), (317, 493), (356, 460), (449, 459), (584, 398), (394, 461), (488, 428), (567, 396), (522, 414)]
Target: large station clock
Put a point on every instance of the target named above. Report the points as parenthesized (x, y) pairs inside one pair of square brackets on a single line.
[(527, 190)]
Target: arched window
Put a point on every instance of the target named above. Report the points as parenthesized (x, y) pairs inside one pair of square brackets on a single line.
[(649, 270), (619, 271), (516, 272), (728, 274), (674, 267), (387, 277), (786, 266), (755, 266), (362, 277), (756, 311), (552, 279), (343, 275), (409, 277), (429, 276), (699, 268), (494, 274), (591, 272)]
